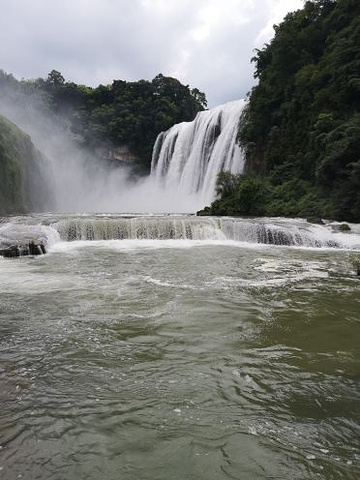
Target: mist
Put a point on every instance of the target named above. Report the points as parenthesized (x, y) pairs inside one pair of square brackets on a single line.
[(81, 182), (186, 161)]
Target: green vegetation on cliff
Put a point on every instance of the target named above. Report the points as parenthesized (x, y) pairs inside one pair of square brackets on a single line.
[(22, 186), (129, 114), (301, 127)]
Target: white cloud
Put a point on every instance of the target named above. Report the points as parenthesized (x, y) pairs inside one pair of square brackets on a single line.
[(279, 9), (205, 43)]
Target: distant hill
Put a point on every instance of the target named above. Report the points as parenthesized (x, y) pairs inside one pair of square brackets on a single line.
[(119, 121), (23, 186), (301, 128)]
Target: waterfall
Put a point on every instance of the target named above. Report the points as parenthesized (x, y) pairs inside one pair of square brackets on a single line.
[(186, 161), (188, 157), (140, 228), (269, 232), (51, 228)]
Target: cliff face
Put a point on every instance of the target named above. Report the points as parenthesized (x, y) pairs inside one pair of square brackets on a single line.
[(23, 183), (120, 155)]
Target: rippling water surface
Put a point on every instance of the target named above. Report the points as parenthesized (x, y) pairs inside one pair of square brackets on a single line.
[(140, 359)]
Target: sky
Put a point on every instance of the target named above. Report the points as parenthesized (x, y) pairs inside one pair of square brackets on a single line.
[(206, 44)]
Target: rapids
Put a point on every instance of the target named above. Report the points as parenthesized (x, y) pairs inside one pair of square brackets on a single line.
[(179, 347), (52, 228)]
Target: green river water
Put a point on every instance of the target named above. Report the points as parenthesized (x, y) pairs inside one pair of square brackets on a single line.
[(180, 359)]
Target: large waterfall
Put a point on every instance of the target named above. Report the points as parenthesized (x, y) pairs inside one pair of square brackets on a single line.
[(188, 157), (185, 164)]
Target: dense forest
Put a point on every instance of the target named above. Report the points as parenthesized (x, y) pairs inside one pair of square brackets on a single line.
[(301, 128), (109, 117)]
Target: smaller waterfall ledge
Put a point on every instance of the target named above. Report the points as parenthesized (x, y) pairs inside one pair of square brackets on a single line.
[(51, 229), (188, 157)]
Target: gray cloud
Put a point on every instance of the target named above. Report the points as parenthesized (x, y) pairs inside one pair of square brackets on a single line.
[(205, 43)]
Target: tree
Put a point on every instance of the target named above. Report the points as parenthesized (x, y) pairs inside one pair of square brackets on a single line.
[(122, 113), (226, 183), (55, 78), (200, 97), (301, 127)]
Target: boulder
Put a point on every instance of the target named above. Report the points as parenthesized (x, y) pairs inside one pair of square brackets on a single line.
[(30, 248)]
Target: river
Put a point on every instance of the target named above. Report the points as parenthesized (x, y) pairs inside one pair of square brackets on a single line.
[(195, 354)]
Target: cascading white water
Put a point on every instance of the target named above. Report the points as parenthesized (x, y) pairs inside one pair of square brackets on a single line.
[(189, 156), (185, 164), (51, 229)]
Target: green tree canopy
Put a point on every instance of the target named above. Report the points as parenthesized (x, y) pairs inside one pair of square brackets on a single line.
[(301, 123), (121, 113)]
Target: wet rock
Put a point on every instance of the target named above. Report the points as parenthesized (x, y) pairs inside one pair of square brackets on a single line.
[(357, 267), (344, 227), (204, 213), (30, 248), (9, 252), (36, 248), (341, 227), (332, 244), (315, 220)]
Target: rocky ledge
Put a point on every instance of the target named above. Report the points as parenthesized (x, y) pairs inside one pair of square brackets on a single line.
[(21, 250)]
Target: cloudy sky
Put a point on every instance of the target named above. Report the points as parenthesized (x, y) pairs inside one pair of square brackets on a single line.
[(204, 43)]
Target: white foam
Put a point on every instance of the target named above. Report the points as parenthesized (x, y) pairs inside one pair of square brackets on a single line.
[(130, 245), (188, 157)]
